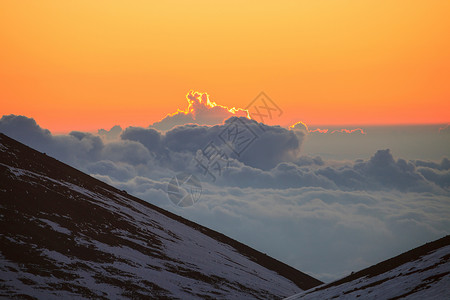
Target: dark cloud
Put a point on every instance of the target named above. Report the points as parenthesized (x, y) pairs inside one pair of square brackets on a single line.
[(386, 172), (190, 137), (439, 173), (25, 130), (259, 146), (272, 146), (75, 148), (284, 175), (115, 170), (443, 165), (309, 161), (381, 171), (111, 134), (86, 145), (133, 153), (150, 138)]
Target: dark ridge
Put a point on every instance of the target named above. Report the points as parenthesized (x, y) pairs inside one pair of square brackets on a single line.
[(43, 164), (391, 263)]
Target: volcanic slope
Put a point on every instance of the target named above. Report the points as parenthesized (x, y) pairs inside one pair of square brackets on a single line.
[(421, 273), (64, 234)]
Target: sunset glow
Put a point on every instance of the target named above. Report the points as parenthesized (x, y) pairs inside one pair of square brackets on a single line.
[(84, 65), (195, 98), (314, 131)]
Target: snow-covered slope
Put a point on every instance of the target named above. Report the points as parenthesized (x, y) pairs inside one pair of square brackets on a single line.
[(64, 234), (422, 273)]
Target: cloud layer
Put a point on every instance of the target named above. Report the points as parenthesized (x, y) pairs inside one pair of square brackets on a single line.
[(325, 217)]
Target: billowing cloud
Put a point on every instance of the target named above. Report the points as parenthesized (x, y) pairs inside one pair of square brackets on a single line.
[(76, 148), (201, 111), (111, 134), (380, 172), (438, 173), (150, 138), (133, 153), (115, 170), (25, 130), (330, 216), (255, 144)]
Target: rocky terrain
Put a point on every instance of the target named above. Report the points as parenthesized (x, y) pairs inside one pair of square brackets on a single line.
[(421, 273), (64, 234)]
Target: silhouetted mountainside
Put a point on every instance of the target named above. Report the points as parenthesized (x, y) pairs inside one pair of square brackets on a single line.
[(421, 273), (65, 234)]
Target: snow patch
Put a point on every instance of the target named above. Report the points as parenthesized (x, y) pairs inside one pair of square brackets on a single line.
[(56, 226)]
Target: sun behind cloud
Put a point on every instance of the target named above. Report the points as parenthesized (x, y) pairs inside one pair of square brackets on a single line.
[(201, 111)]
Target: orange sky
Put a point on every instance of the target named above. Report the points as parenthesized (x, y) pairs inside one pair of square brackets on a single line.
[(92, 64)]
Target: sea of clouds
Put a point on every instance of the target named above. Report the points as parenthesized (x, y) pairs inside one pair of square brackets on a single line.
[(325, 215)]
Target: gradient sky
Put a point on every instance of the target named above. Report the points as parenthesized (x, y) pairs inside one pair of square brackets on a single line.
[(84, 65)]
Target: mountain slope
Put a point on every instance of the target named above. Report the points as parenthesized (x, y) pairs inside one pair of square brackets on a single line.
[(421, 273), (65, 234)]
